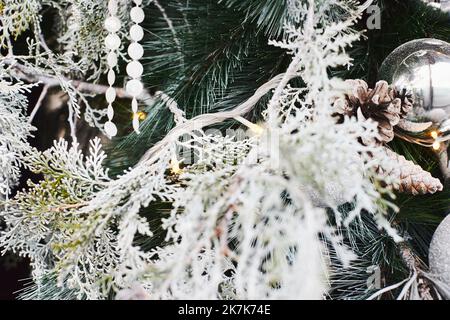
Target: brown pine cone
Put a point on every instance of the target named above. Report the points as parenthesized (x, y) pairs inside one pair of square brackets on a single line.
[(381, 104), (410, 177)]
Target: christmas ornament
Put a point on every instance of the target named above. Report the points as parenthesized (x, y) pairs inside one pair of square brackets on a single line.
[(135, 69), (412, 178), (439, 253), (419, 71), (380, 104), (443, 5), (384, 105), (112, 42)]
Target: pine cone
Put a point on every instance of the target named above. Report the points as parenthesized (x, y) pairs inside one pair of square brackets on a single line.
[(381, 104), (412, 178)]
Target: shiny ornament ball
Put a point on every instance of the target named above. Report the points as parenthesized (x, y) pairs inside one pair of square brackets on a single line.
[(443, 5), (421, 68), (439, 253)]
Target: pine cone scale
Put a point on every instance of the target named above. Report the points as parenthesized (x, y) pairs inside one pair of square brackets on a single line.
[(411, 178), (379, 104)]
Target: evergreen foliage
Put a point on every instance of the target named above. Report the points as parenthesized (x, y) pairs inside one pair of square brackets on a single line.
[(210, 56)]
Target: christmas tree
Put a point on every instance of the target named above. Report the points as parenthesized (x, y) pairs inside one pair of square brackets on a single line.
[(226, 149)]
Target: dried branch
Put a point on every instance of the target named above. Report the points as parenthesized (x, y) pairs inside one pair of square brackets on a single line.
[(30, 75)]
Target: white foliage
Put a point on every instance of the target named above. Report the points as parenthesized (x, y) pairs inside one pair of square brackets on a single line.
[(40, 223), (18, 16), (79, 54), (252, 219), (82, 33), (14, 131), (80, 28), (245, 222)]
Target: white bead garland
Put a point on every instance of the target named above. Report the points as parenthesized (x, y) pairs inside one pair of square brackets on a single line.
[(112, 43), (135, 69)]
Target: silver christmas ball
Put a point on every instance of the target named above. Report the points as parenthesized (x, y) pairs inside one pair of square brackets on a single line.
[(443, 5), (439, 253), (421, 69)]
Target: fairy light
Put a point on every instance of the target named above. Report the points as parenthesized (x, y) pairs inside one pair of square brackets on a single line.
[(175, 165), (140, 114), (258, 130), (436, 145)]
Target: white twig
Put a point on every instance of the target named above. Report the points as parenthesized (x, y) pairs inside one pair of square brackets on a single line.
[(407, 286), (380, 292), (208, 119), (290, 73), (38, 103), (179, 115), (30, 75)]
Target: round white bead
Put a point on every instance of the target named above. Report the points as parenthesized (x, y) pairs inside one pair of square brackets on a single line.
[(112, 41), (134, 88), (136, 32), (112, 24), (137, 14), (110, 129), (110, 95), (135, 51), (135, 69)]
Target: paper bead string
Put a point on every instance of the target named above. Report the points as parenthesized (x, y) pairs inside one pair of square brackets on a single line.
[(135, 69)]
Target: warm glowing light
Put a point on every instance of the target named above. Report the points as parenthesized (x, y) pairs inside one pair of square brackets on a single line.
[(253, 127), (257, 129), (436, 145), (175, 166), (434, 134), (141, 115)]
